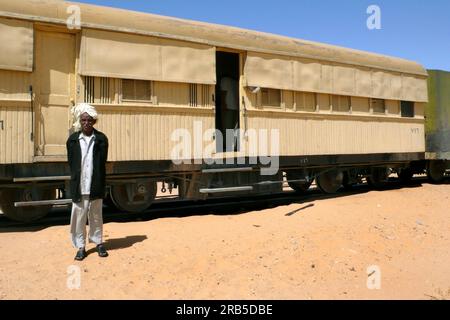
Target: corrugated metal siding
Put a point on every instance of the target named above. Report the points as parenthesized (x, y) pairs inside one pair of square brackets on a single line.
[(145, 134), (329, 135), (15, 143), (15, 115), (438, 115)]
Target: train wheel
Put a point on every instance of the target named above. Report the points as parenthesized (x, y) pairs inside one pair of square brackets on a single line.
[(25, 214), (405, 175), (378, 177), (436, 171), (300, 187), (133, 197), (109, 202), (348, 182), (331, 181)]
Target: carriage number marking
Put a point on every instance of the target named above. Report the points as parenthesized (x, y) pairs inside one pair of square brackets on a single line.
[(415, 130), (304, 160)]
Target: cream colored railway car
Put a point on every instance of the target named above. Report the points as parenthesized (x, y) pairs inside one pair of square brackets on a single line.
[(169, 90)]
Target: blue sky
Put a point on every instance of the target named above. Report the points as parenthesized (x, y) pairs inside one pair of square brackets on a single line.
[(412, 29)]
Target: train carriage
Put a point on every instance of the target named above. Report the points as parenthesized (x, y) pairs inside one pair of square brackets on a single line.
[(437, 129), (168, 90)]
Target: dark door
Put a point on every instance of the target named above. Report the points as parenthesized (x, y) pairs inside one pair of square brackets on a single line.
[(227, 101)]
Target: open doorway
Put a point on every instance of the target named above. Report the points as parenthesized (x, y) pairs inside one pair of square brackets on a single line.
[(227, 101)]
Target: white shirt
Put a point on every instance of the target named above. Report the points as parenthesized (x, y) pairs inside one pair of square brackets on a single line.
[(87, 162)]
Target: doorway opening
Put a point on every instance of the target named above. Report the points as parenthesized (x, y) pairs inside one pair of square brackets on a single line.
[(227, 101)]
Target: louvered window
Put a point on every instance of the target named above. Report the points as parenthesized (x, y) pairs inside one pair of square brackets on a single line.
[(271, 97), (306, 101), (407, 109), (378, 106), (193, 99), (136, 90), (98, 90), (89, 89), (340, 103)]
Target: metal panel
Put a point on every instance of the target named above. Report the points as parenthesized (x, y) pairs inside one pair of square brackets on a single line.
[(212, 34), (16, 38), (144, 133), (280, 72), (315, 134), (187, 62), (307, 75), (381, 85), (393, 107), (414, 89), (55, 68), (146, 58), (438, 115), (172, 94), (268, 71), (363, 78), (360, 105), (343, 80), (14, 85), (15, 124)]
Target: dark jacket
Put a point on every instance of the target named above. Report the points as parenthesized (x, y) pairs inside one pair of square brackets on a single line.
[(100, 155)]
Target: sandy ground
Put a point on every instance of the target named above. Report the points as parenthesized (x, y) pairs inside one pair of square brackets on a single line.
[(391, 244)]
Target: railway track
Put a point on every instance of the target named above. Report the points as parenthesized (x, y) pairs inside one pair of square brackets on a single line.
[(183, 208)]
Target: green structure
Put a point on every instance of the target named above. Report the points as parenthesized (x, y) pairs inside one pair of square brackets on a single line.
[(438, 116)]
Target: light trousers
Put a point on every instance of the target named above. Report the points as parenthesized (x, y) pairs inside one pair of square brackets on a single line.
[(81, 211)]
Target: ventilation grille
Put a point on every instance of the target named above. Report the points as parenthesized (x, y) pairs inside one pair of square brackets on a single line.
[(205, 95), (199, 95), (89, 89), (97, 90), (193, 101), (104, 91)]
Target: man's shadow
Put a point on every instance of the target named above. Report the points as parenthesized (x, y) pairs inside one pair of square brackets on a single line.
[(122, 243)]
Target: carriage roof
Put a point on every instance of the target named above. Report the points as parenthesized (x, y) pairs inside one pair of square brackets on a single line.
[(55, 11)]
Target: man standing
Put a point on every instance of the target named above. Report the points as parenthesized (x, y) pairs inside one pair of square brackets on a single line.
[(87, 151)]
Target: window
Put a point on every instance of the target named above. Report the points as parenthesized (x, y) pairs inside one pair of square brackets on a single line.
[(199, 95), (193, 99), (98, 90), (407, 109), (360, 105), (89, 89), (271, 97), (378, 106), (306, 101), (340, 103), (136, 90)]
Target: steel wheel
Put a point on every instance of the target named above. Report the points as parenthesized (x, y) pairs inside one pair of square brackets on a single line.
[(331, 181), (348, 182), (378, 177), (133, 197), (436, 171), (25, 214), (109, 202)]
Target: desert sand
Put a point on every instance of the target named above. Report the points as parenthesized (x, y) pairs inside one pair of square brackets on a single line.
[(392, 244)]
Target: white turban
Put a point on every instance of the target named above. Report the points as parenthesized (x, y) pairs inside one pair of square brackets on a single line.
[(78, 110)]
